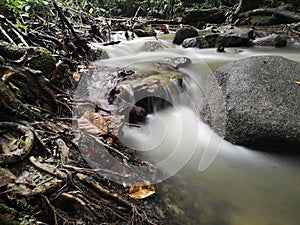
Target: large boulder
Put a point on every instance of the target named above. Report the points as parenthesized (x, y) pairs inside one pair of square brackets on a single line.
[(183, 33), (255, 102)]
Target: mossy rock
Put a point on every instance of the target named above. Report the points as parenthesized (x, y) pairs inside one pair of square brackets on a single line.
[(263, 20), (183, 33), (43, 61), (37, 58), (9, 51)]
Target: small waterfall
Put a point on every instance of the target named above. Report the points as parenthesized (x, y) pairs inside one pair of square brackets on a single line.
[(207, 180)]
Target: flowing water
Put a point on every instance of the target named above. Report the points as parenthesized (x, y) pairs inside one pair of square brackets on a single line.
[(210, 180)]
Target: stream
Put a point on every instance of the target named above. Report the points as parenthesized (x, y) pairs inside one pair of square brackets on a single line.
[(209, 181)]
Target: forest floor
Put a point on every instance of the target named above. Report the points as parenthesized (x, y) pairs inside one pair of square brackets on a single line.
[(44, 176)]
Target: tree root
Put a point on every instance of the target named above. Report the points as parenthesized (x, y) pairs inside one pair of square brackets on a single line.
[(20, 153)]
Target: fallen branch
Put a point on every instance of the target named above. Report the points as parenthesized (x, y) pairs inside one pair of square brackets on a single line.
[(47, 168), (106, 193), (65, 20), (109, 147), (7, 36), (270, 11), (16, 30)]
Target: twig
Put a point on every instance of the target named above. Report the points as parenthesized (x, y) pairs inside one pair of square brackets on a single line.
[(65, 20), (91, 181), (54, 211), (7, 36), (47, 168), (107, 146), (16, 30)]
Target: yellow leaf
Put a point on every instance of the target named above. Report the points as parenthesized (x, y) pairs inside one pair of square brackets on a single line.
[(141, 190), (297, 82), (91, 10)]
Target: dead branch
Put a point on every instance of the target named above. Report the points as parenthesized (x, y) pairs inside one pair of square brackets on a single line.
[(56, 214), (109, 147), (270, 11), (102, 190), (65, 20), (16, 30), (7, 36), (47, 168), (47, 186)]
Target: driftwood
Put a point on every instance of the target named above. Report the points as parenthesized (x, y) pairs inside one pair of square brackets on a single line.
[(271, 11)]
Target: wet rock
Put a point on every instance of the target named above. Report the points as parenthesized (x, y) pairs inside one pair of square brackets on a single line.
[(174, 63), (253, 102), (226, 36), (153, 45), (183, 33), (272, 40), (143, 33)]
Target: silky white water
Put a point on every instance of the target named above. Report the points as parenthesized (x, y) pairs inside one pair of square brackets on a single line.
[(210, 180)]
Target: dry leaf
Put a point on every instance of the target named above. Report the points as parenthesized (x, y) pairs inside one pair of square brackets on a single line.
[(6, 73), (92, 123), (141, 190), (297, 82), (76, 76), (86, 66)]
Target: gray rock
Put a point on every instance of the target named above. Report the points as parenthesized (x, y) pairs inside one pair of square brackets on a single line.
[(227, 36), (255, 102), (183, 33), (272, 40)]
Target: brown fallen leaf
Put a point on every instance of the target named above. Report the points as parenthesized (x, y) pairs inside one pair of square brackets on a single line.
[(76, 76), (92, 123), (141, 190), (6, 73)]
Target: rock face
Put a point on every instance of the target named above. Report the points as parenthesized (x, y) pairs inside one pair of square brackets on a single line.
[(255, 102)]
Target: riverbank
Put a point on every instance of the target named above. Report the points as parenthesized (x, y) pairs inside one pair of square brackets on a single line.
[(51, 180)]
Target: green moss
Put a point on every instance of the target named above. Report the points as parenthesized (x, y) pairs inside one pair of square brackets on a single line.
[(43, 61), (11, 51), (166, 75), (263, 20), (155, 74)]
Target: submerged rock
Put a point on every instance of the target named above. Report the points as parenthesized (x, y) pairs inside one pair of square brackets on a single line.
[(255, 102)]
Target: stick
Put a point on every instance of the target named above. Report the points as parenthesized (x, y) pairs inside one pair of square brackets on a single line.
[(65, 20), (47, 168), (16, 30), (7, 36), (106, 145)]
